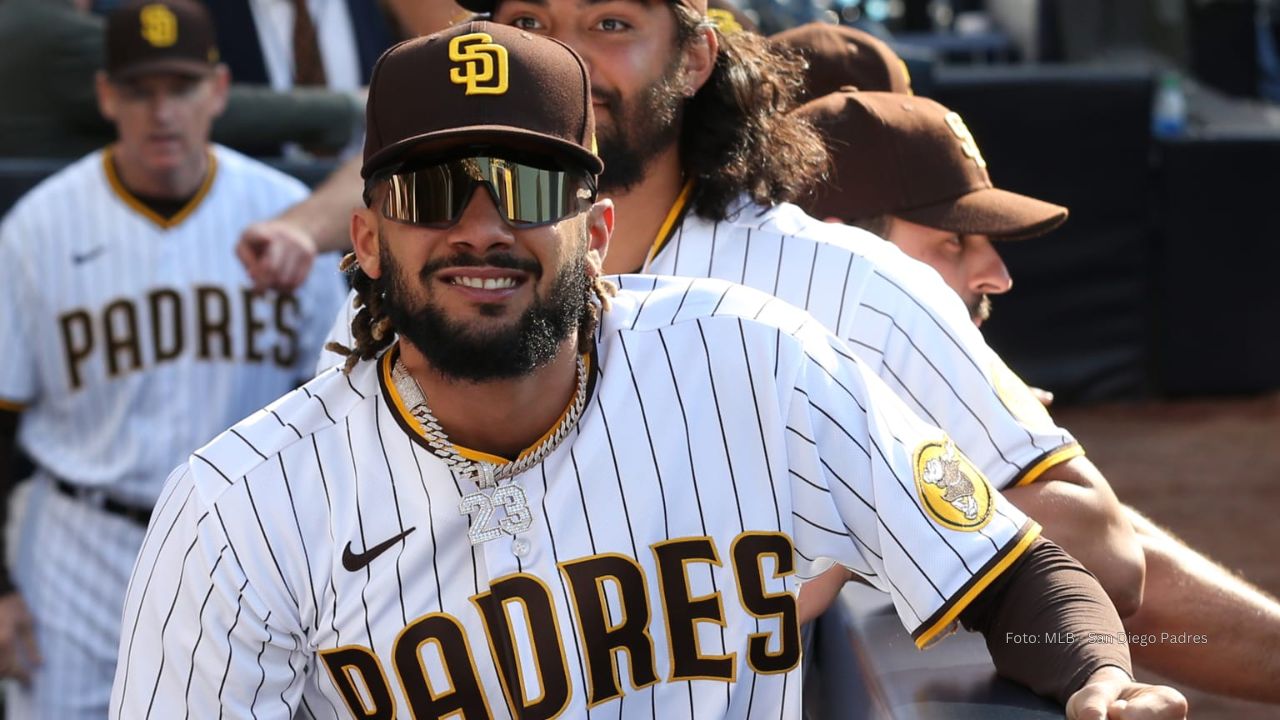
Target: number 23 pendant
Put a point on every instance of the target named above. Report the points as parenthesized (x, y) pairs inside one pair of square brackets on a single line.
[(510, 498)]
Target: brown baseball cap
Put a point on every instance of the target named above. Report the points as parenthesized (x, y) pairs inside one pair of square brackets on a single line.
[(487, 6), (479, 83), (912, 158), (160, 36), (842, 56)]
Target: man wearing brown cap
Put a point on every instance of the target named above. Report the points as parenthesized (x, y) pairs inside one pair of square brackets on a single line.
[(909, 170), (477, 514), (701, 162), (129, 338)]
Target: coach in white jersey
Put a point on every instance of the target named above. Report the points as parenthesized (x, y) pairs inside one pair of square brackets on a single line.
[(129, 338), (910, 171), (530, 494), (701, 163)]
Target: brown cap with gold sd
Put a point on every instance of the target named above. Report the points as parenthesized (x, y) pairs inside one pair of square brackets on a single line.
[(160, 36), (479, 84)]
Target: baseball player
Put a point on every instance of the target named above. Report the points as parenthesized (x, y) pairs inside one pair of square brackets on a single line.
[(908, 170), (129, 338), (530, 494), (701, 161)]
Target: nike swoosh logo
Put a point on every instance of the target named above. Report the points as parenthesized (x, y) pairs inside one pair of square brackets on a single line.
[(355, 562), (84, 257)]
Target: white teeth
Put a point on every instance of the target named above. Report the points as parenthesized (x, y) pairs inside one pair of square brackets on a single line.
[(486, 283)]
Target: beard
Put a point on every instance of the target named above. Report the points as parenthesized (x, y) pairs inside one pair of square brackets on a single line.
[(460, 352), (980, 309), (641, 129)]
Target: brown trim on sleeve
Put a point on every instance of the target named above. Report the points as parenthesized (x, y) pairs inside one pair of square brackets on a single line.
[(1057, 456), (931, 629)]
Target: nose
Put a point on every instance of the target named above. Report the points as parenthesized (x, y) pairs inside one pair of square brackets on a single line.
[(481, 227), (987, 272), (162, 107)]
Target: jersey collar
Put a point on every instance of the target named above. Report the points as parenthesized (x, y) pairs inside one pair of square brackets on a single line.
[(129, 199), (675, 216), (415, 430)]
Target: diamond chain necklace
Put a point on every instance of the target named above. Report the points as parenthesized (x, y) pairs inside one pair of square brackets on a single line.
[(485, 475)]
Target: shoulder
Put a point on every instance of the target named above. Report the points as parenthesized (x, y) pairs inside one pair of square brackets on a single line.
[(785, 220), (304, 415), (73, 186), (647, 303), (257, 174), (911, 281), (74, 176)]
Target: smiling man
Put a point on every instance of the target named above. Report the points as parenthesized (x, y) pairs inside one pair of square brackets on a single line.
[(638, 472), (129, 338), (703, 163)]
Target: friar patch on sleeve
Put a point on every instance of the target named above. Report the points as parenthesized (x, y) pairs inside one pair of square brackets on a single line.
[(952, 491)]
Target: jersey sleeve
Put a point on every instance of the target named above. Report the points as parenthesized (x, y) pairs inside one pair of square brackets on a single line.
[(891, 497), (19, 380), (339, 332), (325, 290), (916, 334), (196, 633)]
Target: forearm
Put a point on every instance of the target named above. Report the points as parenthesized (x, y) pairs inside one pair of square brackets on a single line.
[(1228, 645), (1048, 623), (1078, 510), (325, 215)]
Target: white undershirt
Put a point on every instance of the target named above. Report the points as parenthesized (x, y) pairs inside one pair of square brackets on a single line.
[(274, 19)]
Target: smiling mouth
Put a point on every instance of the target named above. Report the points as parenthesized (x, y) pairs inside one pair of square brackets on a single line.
[(478, 283)]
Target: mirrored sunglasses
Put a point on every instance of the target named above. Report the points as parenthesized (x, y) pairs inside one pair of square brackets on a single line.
[(526, 195)]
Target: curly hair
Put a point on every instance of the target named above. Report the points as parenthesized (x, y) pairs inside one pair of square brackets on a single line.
[(738, 135), (372, 330)]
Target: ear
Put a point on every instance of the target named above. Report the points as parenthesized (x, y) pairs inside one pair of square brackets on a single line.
[(221, 88), (106, 95), (700, 61), (599, 230), (365, 240)]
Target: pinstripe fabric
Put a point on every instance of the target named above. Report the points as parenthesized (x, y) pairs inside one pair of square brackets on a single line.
[(129, 344), (895, 313), (717, 412), (75, 255)]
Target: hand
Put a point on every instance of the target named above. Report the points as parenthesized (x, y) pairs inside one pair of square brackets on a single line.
[(18, 652), (277, 254), (816, 595), (1110, 694)]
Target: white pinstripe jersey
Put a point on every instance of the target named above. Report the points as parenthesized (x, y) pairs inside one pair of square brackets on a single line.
[(895, 313), (128, 340), (314, 555)]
